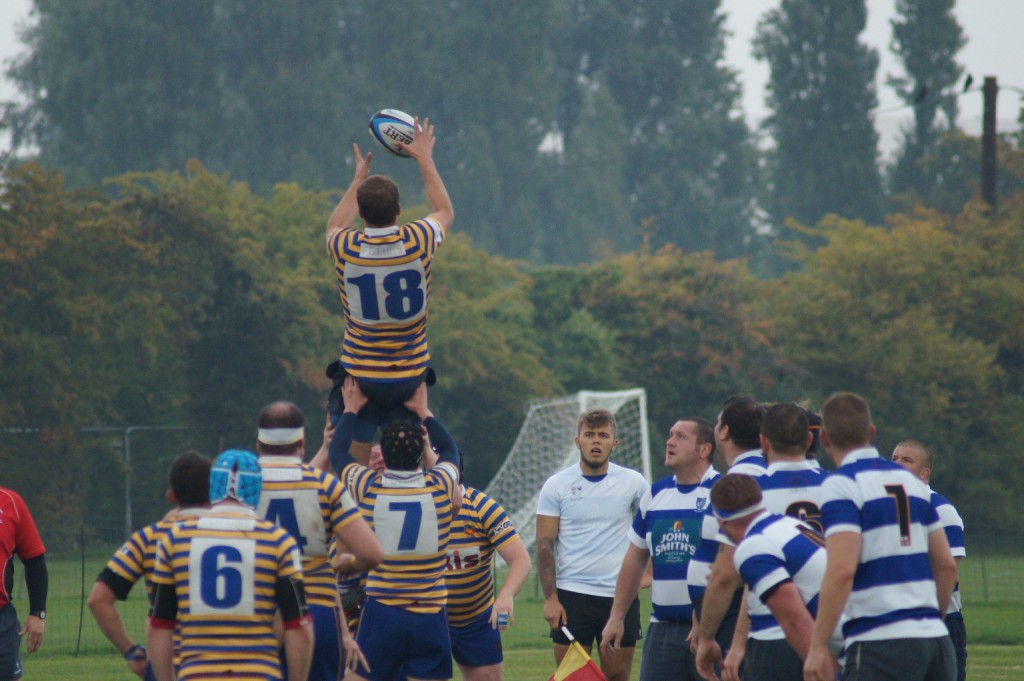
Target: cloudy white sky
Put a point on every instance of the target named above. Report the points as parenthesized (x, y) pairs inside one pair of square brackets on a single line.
[(994, 48)]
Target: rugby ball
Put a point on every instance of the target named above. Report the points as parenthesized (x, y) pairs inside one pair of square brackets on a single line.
[(390, 126)]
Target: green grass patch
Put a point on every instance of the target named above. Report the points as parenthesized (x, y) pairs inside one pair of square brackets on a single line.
[(75, 648)]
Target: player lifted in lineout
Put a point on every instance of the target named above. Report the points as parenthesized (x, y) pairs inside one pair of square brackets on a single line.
[(383, 274)]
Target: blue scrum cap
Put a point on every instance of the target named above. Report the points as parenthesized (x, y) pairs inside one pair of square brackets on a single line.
[(236, 475)]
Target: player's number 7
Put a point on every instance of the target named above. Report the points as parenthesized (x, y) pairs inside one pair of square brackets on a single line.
[(413, 516)]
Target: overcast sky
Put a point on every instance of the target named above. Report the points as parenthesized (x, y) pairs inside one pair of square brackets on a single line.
[(994, 47)]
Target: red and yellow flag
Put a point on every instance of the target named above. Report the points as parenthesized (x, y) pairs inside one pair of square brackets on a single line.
[(577, 666)]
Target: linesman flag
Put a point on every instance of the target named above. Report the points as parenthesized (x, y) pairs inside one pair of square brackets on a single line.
[(577, 665)]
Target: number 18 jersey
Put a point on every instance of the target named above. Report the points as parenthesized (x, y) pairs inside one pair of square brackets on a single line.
[(384, 278)]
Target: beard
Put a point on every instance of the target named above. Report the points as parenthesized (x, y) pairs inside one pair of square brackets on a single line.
[(593, 465)]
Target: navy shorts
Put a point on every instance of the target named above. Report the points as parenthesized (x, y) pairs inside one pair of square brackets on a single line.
[(476, 644), (393, 639), (903, 659), (586, 616), (386, 401), (10, 644)]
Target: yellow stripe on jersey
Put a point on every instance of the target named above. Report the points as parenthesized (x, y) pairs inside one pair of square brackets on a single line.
[(134, 560), (384, 281), (224, 568), (311, 505), (411, 514), (480, 528)]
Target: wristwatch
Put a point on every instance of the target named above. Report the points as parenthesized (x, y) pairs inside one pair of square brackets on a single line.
[(41, 614)]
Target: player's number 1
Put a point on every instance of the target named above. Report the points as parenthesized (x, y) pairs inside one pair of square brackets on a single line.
[(899, 498)]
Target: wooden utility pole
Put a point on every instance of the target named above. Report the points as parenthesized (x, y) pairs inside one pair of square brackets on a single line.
[(989, 165)]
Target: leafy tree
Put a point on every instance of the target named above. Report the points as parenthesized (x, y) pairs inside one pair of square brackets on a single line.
[(926, 39), (688, 328), (579, 350), (592, 216), (912, 317), (690, 163), (117, 85), (821, 93), (488, 360)]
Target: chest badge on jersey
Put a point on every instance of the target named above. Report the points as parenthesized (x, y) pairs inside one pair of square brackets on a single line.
[(576, 491)]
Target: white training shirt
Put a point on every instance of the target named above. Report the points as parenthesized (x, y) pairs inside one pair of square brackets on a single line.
[(594, 515)]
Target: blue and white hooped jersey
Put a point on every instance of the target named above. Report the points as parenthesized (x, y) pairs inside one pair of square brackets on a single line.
[(777, 549), (893, 593), (789, 488), (594, 514), (668, 525), (953, 524), (749, 463)]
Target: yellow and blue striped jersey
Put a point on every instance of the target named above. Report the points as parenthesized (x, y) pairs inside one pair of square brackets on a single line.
[(480, 528), (135, 559), (311, 505), (384, 279), (411, 514), (224, 568)]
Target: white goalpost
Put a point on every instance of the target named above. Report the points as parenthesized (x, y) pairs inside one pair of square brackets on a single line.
[(545, 446)]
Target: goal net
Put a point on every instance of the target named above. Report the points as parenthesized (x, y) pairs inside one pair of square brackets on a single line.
[(545, 446)]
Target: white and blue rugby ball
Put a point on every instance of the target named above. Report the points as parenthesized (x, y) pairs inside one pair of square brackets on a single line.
[(390, 126)]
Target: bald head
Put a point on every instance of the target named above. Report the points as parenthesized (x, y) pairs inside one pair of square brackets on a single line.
[(281, 429), (915, 457)]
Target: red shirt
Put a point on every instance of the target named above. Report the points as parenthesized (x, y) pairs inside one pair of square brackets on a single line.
[(18, 535)]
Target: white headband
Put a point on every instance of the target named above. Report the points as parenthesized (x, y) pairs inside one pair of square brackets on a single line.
[(279, 436), (741, 513)]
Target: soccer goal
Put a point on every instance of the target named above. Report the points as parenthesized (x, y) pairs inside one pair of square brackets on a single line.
[(545, 446)]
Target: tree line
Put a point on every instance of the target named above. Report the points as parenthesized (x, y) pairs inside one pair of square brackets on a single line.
[(570, 129), (186, 299)]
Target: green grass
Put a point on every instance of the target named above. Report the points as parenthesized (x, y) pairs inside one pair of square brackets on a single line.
[(995, 627)]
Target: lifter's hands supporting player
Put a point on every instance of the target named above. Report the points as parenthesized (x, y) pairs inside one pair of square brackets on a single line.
[(353, 395)]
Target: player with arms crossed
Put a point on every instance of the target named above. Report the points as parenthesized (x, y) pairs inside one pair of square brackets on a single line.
[(222, 577), (665, 532), (476, 617), (189, 490), (402, 625), (889, 565), (918, 459), (383, 274), (583, 515), (315, 509)]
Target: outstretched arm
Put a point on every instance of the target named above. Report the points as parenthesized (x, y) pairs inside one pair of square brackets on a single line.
[(339, 453), (442, 440), (422, 149), (347, 210)]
